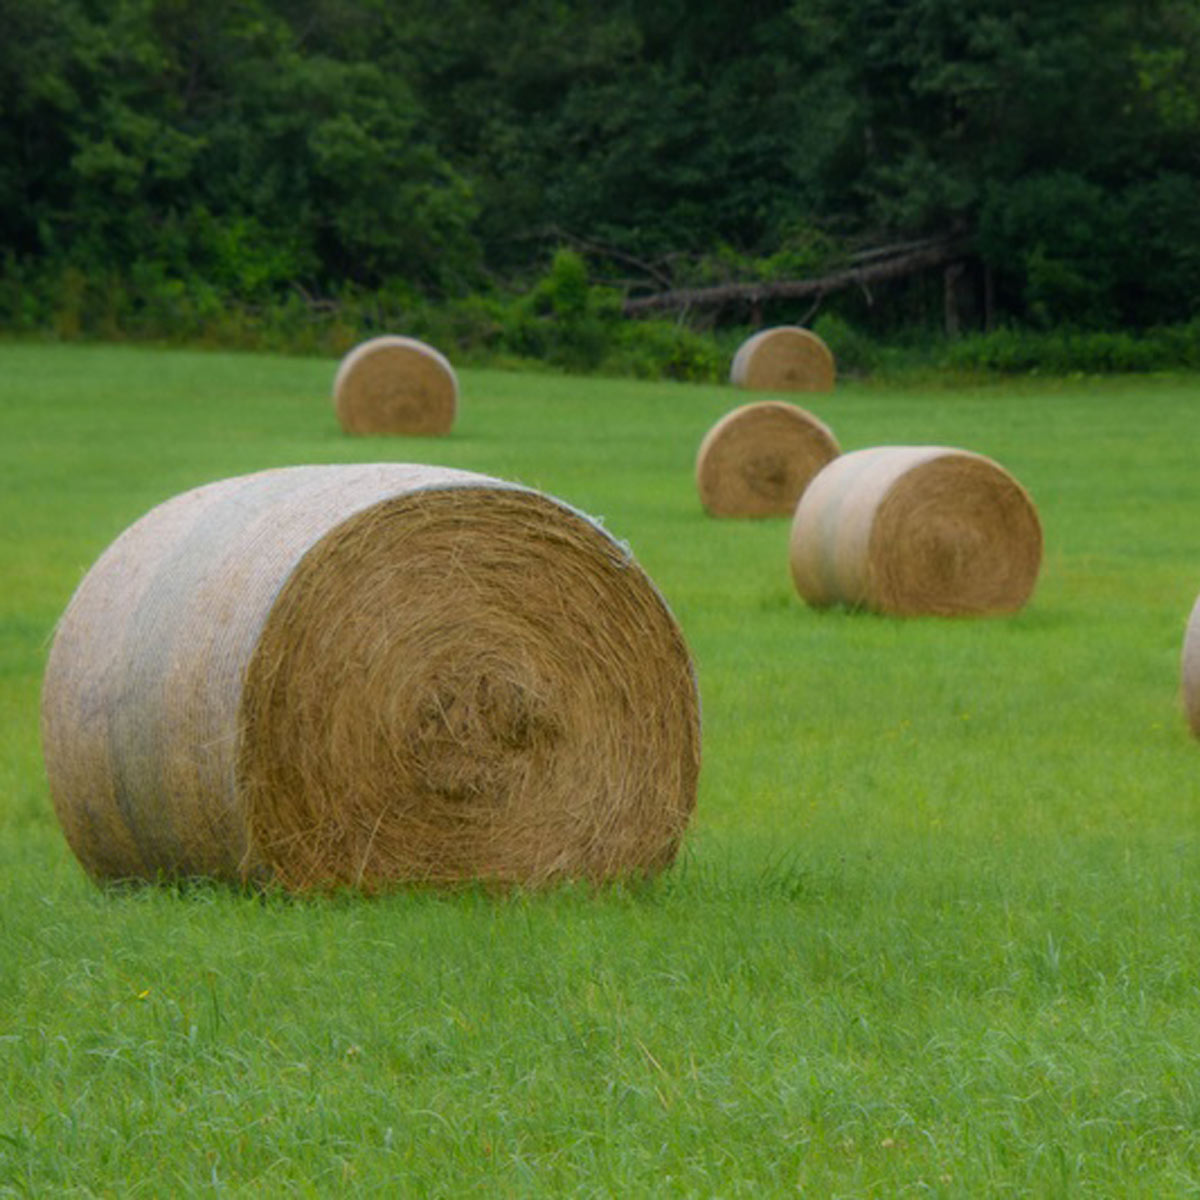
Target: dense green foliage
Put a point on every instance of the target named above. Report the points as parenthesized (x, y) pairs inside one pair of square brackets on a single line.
[(936, 929), (266, 152)]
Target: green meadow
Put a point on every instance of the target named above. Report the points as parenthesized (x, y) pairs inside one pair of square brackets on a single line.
[(935, 928)]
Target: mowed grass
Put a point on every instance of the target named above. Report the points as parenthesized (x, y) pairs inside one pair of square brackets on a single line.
[(935, 930)]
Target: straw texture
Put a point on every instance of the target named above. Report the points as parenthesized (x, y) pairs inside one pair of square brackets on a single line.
[(1191, 670), (783, 359), (914, 530), (757, 460), (395, 385), (364, 675)]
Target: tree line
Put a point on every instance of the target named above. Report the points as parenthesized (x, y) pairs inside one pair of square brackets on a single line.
[(701, 159)]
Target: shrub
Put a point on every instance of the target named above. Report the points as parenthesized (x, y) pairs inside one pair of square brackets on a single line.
[(664, 350), (562, 321), (853, 351), (1067, 351)]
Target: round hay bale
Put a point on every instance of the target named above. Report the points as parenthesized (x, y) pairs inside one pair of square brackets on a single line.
[(395, 385), (1191, 670), (916, 530), (364, 675), (784, 359), (757, 460)]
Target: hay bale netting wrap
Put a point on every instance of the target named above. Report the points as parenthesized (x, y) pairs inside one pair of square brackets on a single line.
[(757, 460), (1191, 670), (786, 358), (916, 530), (397, 385), (361, 675)]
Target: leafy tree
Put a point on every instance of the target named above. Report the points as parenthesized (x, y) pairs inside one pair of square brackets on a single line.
[(1027, 122), (430, 146), (202, 136)]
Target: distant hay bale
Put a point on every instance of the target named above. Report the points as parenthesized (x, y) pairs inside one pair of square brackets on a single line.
[(364, 675), (783, 359), (916, 530), (757, 460), (395, 385), (1191, 670)]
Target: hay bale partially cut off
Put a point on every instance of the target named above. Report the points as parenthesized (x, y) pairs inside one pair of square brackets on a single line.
[(395, 385), (784, 359), (362, 675), (757, 460), (1191, 670), (914, 530)]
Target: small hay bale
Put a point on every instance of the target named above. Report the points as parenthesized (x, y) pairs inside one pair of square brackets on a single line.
[(395, 385), (914, 530), (757, 460), (364, 675), (1191, 670), (784, 359)]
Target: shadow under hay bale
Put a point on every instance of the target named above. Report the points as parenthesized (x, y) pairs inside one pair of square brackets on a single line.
[(757, 460), (395, 385), (786, 358), (1191, 671), (366, 675), (914, 530)]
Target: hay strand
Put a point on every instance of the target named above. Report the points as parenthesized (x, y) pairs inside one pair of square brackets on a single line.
[(1191, 670), (785, 358), (914, 530), (757, 460), (395, 385), (364, 675)]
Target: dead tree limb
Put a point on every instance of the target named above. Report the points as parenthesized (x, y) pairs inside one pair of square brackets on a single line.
[(910, 259)]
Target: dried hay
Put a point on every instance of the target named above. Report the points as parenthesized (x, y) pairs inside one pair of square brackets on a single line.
[(784, 359), (363, 675), (1191, 670), (757, 460), (916, 530), (395, 385)]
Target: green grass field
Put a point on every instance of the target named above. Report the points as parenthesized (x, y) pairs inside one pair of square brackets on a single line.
[(935, 929)]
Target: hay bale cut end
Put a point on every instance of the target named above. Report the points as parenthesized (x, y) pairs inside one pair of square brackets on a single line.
[(786, 358), (757, 460), (395, 385), (369, 675), (916, 530), (1191, 671)]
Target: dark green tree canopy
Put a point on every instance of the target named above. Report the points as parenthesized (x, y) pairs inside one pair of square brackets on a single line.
[(437, 146)]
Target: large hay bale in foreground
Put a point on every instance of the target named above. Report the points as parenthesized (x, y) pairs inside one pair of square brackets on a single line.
[(757, 460), (359, 675), (916, 530), (786, 358), (395, 385), (1191, 670)]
